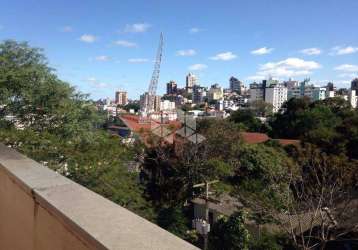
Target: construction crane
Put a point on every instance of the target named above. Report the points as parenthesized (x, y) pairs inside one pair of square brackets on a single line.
[(149, 103)]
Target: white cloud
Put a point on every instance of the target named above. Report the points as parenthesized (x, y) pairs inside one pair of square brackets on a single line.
[(96, 83), (197, 67), (138, 60), (88, 38), (262, 51), (289, 67), (66, 29), (311, 51), (194, 30), (225, 56), (338, 50), (125, 43), (347, 68), (137, 27), (102, 58), (187, 52)]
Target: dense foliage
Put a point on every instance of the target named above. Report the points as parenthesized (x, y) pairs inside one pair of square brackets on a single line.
[(46, 119), (331, 124), (230, 233)]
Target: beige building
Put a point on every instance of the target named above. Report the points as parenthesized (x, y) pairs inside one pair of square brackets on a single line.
[(144, 100), (191, 80), (121, 98), (215, 93)]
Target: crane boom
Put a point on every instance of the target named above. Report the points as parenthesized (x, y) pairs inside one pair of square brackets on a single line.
[(155, 78)]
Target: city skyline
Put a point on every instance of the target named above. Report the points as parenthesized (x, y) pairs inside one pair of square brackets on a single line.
[(103, 47)]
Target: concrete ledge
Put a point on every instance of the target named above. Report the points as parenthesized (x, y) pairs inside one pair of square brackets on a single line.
[(40, 209)]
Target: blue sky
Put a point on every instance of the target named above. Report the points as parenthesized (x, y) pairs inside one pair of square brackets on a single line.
[(101, 46)]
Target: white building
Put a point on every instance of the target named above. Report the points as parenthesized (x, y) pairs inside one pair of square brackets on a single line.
[(276, 95), (167, 105), (330, 93), (353, 98), (242, 100), (191, 81), (303, 89), (318, 93)]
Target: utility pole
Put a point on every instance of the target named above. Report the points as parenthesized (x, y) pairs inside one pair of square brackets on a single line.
[(206, 224)]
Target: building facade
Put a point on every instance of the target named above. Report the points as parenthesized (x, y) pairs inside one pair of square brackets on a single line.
[(167, 105), (144, 100), (354, 84), (276, 95), (121, 98), (353, 98), (191, 81), (215, 93), (235, 85), (199, 94), (257, 92), (172, 88)]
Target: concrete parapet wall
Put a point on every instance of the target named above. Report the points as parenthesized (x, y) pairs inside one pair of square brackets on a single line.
[(42, 210)]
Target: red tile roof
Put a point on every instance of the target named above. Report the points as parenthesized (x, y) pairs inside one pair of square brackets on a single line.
[(132, 122), (253, 138), (285, 142)]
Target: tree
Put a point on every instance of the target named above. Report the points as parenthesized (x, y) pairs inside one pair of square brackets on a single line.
[(248, 119), (349, 131), (266, 242), (174, 220), (134, 106), (230, 233), (318, 199), (100, 165), (262, 175), (30, 91), (290, 123), (169, 171), (61, 128), (261, 108)]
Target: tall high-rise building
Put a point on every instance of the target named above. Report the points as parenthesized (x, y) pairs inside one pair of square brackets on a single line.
[(353, 98), (199, 93), (157, 102), (257, 92), (144, 100), (276, 94), (354, 85), (330, 86), (172, 88), (121, 98), (191, 81), (235, 85)]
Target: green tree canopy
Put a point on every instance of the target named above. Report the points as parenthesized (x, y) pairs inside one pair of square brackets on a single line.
[(31, 92), (230, 233), (248, 119)]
